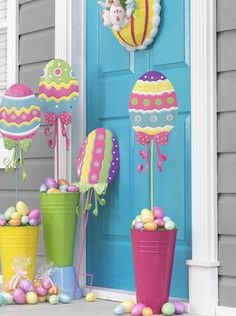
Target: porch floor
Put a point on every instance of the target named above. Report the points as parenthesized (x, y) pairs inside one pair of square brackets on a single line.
[(78, 307)]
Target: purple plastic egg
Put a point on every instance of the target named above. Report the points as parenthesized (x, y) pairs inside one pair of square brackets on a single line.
[(19, 296), (138, 225), (41, 291), (46, 284), (137, 309), (72, 188), (158, 212), (26, 285), (51, 183), (2, 222), (34, 214), (179, 307), (33, 222), (160, 222)]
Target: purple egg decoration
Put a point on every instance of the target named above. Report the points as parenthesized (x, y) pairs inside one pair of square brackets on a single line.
[(51, 183), (158, 212), (46, 283), (33, 222), (35, 213), (137, 309), (103, 159), (41, 291), (26, 285), (19, 296), (179, 307), (72, 188)]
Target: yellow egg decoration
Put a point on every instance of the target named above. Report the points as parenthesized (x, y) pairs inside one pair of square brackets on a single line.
[(133, 22)]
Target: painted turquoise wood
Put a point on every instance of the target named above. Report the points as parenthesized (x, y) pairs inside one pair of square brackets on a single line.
[(111, 74)]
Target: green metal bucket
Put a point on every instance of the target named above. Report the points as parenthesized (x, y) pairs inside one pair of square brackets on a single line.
[(59, 226)]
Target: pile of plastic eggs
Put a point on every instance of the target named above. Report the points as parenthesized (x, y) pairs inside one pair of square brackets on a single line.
[(28, 292), (168, 309), (154, 219), (20, 215), (51, 186)]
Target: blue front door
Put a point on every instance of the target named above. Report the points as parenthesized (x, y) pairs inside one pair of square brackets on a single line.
[(111, 73)]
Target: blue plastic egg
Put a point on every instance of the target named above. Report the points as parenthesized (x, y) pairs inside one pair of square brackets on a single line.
[(119, 310), (64, 298)]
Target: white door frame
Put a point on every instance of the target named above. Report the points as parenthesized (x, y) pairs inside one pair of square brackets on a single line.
[(203, 268)]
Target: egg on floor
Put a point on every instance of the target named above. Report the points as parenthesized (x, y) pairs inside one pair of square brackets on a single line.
[(119, 310), (128, 305), (168, 309), (64, 298), (137, 309), (31, 298), (147, 311), (91, 297), (54, 299)]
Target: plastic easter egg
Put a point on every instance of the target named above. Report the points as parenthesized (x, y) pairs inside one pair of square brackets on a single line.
[(20, 114), (19, 296), (98, 160), (145, 211), (58, 88), (8, 298), (64, 298), (150, 226), (72, 188), (26, 285), (169, 225), (153, 108), (63, 188), (8, 213), (179, 307), (158, 212), (51, 191), (31, 298), (128, 305), (168, 309), (2, 299), (41, 291), (22, 208), (54, 299), (119, 310), (42, 299), (147, 217), (46, 283), (35, 213), (166, 218), (160, 222), (53, 290), (137, 309), (33, 222), (43, 188), (63, 182), (138, 218), (15, 222), (138, 225), (147, 311), (91, 297), (51, 183), (16, 215), (2, 222)]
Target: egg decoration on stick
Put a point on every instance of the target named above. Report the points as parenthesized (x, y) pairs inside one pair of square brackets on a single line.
[(20, 117)]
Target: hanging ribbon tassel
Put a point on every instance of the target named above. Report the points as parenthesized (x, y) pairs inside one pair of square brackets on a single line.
[(144, 154), (161, 157)]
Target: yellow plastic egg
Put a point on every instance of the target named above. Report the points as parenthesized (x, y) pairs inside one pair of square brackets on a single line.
[(91, 297), (150, 226), (31, 298), (22, 208), (147, 217), (53, 191), (128, 305), (147, 311), (138, 218), (42, 299), (145, 211), (15, 222), (16, 215)]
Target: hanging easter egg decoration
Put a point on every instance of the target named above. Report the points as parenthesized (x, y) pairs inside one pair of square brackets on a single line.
[(97, 165), (58, 95), (133, 22), (153, 109), (20, 117)]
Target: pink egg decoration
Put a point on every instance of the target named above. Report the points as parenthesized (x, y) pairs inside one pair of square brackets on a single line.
[(51, 183), (2, 222), (179, 307), (137, 309), (160, 222), (34, 214), (33, 222), (158, 212), (19, 296), (138, 225), (41, 291), (26, 285), (46, 283), (72, 188)]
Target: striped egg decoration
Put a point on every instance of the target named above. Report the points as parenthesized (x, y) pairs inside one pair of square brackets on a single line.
[(142, 26), (153, 104), (58, 88), (98, 160), (20, 113)]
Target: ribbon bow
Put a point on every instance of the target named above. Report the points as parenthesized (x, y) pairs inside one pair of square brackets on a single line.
[(98, 190), (20, 265), (53, 119), (160, 139), (45, 272), (17, 159)]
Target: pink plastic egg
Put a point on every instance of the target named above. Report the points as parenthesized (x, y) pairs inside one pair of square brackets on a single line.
[(33, 222), (137, 309), (72, 188), (179, 307), (51, 183), (41, 291), (2, 221), (34, 214), (46, 284), (160, 222), (158, 212), (19, 296), (26, 285)]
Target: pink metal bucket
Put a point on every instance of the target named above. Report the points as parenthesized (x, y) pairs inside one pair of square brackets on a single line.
[(153, 254)]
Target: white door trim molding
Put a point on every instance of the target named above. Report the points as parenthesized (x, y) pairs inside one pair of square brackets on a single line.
[(203, 268)]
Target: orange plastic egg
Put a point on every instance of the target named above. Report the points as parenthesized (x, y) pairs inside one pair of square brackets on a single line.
[(63, 181), (53, 290), (147, 311), (150, 226), (15, 222), (16, 215)]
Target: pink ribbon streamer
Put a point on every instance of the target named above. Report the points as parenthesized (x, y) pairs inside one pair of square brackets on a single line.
[(54, 119), (160, 139), (13, 282)]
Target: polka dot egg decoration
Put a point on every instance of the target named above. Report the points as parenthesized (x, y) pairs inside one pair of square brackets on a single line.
[(20, 113)]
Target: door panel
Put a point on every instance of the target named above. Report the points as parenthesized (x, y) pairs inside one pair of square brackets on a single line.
[(111, 73)]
